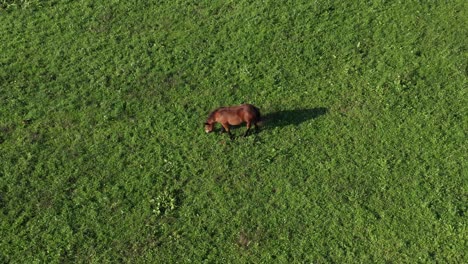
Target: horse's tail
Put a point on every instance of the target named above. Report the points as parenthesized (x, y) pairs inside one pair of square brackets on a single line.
[(258, 118)]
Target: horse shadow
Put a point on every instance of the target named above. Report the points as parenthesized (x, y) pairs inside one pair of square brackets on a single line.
[(292, 117)]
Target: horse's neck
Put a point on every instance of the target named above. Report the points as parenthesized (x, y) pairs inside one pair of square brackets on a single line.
[(212, 118)]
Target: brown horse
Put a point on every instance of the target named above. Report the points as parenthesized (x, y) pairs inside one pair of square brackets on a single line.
[(233, 116)]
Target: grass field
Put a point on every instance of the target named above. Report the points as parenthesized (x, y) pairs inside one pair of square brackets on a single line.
[(362, 157)]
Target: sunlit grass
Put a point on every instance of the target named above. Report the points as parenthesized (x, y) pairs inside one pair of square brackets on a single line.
[(361, 157)]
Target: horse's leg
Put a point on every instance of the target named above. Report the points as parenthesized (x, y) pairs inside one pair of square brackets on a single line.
[(226, 128), (248, 128), (257, 129)]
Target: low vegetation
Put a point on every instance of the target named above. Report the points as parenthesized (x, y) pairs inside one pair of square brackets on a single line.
[(362, 156)]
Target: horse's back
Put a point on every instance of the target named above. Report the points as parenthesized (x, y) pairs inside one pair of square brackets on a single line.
[(240, 109)]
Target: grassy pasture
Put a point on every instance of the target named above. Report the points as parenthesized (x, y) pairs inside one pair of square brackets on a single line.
[(362, 157)]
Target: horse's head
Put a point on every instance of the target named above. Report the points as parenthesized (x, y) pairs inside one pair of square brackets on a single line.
[(209, 127)]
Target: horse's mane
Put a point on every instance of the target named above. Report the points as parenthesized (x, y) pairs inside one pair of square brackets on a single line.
[(211, 115)]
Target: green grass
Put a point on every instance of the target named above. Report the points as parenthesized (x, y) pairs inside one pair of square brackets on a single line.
[(362, 159)]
